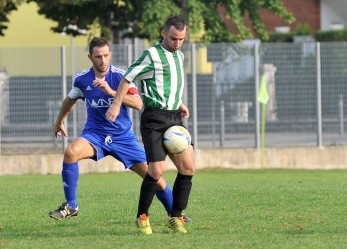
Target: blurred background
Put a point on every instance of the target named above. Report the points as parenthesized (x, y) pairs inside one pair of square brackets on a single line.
[(301, 51)]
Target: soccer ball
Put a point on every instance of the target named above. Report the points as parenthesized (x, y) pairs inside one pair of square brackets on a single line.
[(176, 139)]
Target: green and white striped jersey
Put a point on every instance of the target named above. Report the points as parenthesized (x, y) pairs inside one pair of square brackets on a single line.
[(162, 77)]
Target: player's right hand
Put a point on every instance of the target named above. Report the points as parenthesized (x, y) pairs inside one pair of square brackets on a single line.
[(59, 129)]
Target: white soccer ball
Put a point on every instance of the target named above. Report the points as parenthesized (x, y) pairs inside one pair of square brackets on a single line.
[(176, 139)]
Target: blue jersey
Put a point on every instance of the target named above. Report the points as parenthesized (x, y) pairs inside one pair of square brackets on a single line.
[(98, 102)]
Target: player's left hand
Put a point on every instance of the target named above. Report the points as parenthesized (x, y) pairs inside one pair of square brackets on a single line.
[(112, 112), (184, 110)]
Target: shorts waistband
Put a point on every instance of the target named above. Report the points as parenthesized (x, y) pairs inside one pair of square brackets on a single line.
[(160, 110)]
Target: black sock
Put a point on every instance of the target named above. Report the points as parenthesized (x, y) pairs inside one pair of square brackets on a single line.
[(148, 189), (180, 192)]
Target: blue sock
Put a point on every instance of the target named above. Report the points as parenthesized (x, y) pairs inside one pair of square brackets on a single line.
[(165, 197), (70, 175)]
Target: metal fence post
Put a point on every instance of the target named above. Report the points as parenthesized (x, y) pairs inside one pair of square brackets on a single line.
[(222, 125), (341, 121), (256, 103), (214, 84), (73, 66), (129, 60), (319, 96), (194, 90), (63, 84)]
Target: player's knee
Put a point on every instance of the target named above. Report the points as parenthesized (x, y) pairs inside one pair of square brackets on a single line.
[(187, 168), (155, 173), (155, 170), (192, 170), (70, 153)]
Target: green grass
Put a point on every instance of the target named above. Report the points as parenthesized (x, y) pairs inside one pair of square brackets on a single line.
[(230, 209)]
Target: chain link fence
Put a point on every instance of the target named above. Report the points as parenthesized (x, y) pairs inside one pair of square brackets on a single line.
[(306, 85)]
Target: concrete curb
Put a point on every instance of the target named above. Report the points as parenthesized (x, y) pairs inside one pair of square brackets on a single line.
[(282, 158)]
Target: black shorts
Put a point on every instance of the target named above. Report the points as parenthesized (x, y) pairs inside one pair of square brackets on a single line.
[(154, 123)]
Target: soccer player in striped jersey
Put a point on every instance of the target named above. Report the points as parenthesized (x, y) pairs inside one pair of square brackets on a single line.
[(160, 70), (100, 137)]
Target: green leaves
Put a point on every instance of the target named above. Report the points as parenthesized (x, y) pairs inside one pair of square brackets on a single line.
[(6, 7), (208, 20)]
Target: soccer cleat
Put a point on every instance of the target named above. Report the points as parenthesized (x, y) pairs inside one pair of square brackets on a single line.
[(186, 219), (176, 224), (143, 225), (63, 211)]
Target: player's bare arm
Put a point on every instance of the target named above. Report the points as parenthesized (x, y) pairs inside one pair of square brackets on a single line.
[(185, 111), (130, 100), (66, 108), (133, 101), (113, 111)]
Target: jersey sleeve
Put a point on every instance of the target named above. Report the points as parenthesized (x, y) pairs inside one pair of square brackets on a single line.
[(133, 90), (141, 69), (76, 93)]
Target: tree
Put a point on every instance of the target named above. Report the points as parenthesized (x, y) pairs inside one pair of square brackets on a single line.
[(6, 7), (144, 18), (82, 13), (235, 10)]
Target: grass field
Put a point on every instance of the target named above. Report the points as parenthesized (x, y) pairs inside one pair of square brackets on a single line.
[(230, 209)]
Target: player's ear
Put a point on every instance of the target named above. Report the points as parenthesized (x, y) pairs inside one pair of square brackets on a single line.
[(90, 57)]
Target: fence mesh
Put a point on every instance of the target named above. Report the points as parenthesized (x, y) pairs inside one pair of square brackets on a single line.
[(306, 85)]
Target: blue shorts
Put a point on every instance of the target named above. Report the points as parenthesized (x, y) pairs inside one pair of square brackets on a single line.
[(125, 148)]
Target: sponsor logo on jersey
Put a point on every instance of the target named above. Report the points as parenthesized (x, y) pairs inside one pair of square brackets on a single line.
[(97, 103), (88, 88)]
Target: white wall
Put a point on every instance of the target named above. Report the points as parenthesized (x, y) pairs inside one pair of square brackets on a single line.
[(333, 11)]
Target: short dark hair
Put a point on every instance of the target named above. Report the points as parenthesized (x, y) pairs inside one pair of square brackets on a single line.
[(175, 21), (98, 42)]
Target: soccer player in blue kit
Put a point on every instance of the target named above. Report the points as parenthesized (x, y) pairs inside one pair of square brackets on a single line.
[(101, 137)]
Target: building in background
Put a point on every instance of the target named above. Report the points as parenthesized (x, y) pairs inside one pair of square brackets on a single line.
[(318, 14)]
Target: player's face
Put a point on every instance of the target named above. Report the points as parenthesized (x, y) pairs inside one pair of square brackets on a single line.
[(173, 39), (100, 58)]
